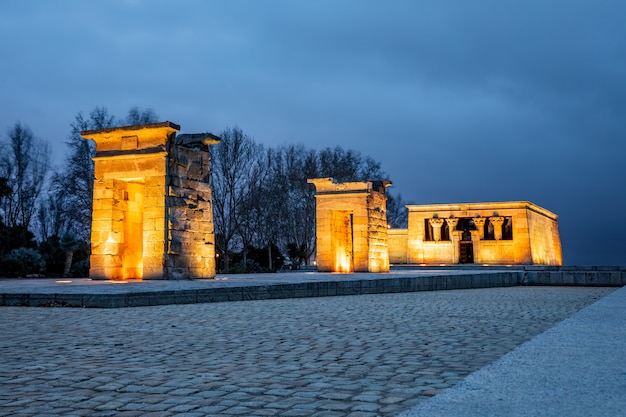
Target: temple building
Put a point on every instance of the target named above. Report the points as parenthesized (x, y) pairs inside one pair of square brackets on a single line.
[(352, 233), (152, 208), (500, 233), (351, 226)]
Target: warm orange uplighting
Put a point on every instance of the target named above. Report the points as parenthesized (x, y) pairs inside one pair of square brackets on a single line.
[(341, 234), (351, 226), (343, 263), (492, 233), (152, 213)]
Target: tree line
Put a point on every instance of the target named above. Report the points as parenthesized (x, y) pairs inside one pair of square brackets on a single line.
[(264, 209)]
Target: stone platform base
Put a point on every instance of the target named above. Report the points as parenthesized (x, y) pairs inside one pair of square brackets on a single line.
[(108, 294)]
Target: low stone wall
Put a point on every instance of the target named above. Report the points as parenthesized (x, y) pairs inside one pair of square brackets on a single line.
[(299, 285), (598, 276)]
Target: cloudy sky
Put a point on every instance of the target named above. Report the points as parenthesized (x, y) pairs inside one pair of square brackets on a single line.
[(461, 101)]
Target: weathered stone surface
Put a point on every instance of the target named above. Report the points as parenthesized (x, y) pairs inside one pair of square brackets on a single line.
[(351, 226), (533, 238), (150, 192)]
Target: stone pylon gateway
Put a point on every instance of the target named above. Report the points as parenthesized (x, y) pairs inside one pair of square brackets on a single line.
[(351, 225), (152, 212)]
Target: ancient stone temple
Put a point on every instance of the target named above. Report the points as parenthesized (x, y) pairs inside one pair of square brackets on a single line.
[(351, 226), (152, 206), (352, 234), (498, 233)]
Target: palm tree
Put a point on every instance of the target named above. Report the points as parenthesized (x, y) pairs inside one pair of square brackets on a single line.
[(69, 243)]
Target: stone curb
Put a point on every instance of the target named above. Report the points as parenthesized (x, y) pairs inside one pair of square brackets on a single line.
[(261, 291), (299, 285)]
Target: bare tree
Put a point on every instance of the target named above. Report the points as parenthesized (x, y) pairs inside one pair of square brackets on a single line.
[(301, 164), (25, 167), (265, 210), (299, 210), (5, 190), (397, 214), (232, 165), (50, 219), (251, 213), (137, 116), (261, 196), (74, 185), (348, 165)]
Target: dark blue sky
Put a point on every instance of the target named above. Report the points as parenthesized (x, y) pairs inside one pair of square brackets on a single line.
[(460, 101)]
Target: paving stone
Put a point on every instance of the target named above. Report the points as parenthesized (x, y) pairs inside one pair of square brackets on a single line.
[(370, 407), (238, 411), (211, 409), (130, 413), (356, 356), (362, 414), (295, 412), (183, 408)]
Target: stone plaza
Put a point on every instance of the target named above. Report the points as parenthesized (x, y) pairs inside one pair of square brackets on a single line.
[(359, 356)]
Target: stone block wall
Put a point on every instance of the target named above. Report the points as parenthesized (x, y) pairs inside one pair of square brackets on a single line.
[(351, 226), (535, 237), (397, 244), (545, 243), (378, 248), (190, 240), (152, 216)]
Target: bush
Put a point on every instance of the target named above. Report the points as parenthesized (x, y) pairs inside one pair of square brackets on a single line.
[(251, 267), (80, 268), (54, 256), (10, 267), (23, 261)]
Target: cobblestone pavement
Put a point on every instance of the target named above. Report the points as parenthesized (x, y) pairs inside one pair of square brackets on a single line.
[(358, 356)]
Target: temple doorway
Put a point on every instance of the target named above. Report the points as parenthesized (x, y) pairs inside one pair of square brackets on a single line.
[(131, 207), (466, 247), (466, 252), (342, 242)]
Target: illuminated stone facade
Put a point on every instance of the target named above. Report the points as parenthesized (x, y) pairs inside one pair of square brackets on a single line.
[(351, 226), (152, 208), (503, 233)]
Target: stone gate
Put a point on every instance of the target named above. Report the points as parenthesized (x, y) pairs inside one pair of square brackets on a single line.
[(152, 212), (351, 225)]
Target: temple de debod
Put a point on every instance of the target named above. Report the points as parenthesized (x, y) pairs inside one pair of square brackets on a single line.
[(152, 217), (497, 233), (352, 235)]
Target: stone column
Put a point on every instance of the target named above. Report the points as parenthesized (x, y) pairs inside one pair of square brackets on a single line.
[(436, 225), (452, 222), (497, 222), (477, 236), (480, 227), (455, 237)]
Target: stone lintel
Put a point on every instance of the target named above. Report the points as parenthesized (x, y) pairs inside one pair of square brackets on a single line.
[(329, 186), (190, 139), (479, 207), (131, 154), (166, 124), (131, 138)]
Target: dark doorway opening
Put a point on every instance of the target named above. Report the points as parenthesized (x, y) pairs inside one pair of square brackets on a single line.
[(466, 247), (466, 252)]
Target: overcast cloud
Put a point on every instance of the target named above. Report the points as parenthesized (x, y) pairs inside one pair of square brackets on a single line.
[(460, 101)]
